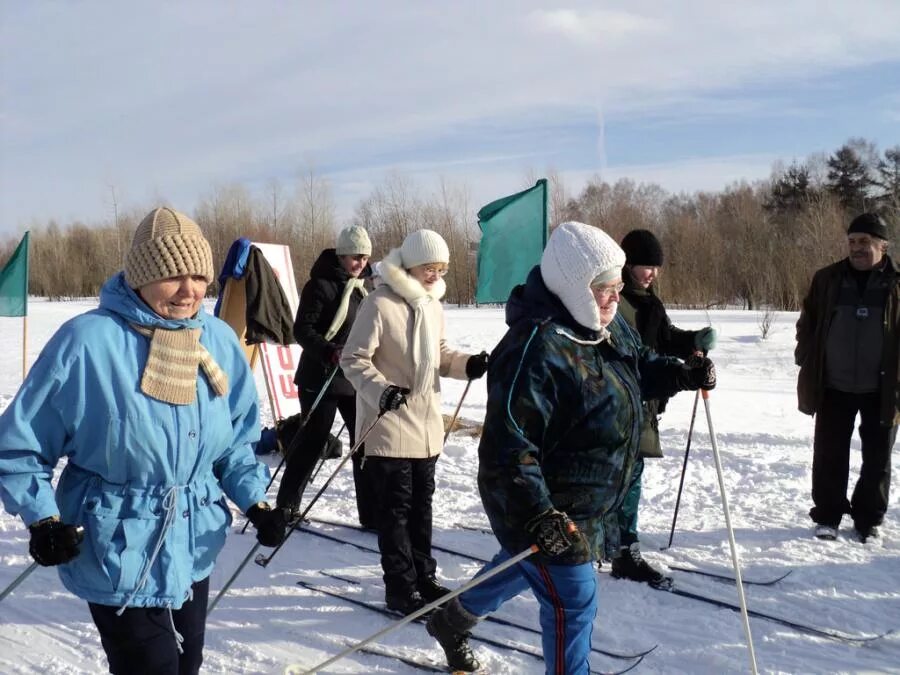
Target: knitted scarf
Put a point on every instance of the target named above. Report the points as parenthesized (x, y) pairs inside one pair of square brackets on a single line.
[(341, 314), (170, 374)]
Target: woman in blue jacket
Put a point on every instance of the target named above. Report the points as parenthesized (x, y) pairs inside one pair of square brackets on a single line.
[(153, 405)]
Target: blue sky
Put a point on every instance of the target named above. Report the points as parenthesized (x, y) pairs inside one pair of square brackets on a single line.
[(166, 100)]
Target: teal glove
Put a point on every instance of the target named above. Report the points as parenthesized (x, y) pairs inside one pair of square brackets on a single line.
[(705, 339)]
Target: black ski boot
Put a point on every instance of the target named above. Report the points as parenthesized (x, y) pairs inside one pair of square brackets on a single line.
[(629, 564), (431, 589), (450, 626), (404, 602)]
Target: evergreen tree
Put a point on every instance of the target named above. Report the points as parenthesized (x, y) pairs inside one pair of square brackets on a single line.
[(849, 179)]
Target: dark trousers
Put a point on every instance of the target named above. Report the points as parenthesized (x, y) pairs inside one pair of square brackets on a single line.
[(308, 450), (627, 515), (831, 460), (141, 641), (405, 488)]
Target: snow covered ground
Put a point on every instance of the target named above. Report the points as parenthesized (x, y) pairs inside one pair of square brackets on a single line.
[(267, 622)]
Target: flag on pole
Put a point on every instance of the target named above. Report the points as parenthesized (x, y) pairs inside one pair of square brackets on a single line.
[(14, 282), (513, 236)]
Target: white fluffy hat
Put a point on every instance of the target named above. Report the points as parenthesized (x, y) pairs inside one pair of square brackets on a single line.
[(422, 247), (353, 240), (576, 256)]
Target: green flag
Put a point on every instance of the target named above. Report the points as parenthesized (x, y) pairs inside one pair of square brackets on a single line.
[(14, 282), (513, 236)]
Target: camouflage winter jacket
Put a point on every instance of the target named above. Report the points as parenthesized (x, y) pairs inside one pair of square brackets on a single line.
[(563, 418)]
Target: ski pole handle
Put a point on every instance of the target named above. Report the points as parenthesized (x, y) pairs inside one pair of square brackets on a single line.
[(472, 583)]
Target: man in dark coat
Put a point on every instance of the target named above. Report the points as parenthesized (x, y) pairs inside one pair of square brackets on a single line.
[(848, 338), (560, 438), (328, 305), (644, 311)]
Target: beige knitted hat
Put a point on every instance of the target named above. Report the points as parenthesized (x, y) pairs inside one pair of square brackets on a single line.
[(353, 240), (167, 244)]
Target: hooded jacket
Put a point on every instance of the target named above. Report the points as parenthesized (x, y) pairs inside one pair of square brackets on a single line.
[(319, 302), (140, 472), (563, 417), (380, 351)]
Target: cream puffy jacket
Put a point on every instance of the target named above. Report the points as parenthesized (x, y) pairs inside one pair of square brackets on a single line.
[(384, 349)]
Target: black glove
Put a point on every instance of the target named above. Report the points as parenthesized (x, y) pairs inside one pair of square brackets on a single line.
[(392, 398), (53, 542), (477, 365), (699, 373), (553, 532), (270, 523)]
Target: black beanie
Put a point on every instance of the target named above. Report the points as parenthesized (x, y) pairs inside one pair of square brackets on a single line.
[(868, 223), (642, 248)]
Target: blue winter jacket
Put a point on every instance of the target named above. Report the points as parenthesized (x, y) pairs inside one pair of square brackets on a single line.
[(563, 416), (140, 473)]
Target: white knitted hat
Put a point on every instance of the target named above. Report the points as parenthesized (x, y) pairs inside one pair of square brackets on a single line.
[(576, 256), (167, 244), (353, 240), (422, 247)]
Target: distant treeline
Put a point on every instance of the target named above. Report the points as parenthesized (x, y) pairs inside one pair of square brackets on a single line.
[(753, 244)]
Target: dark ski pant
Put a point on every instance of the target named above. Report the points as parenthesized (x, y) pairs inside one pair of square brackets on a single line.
[(567, 596), (831, 460), (627, 515), (405, 488), (142, 641), (308, 450)]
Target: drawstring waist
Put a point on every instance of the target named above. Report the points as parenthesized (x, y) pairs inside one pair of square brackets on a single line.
[(170, 507)]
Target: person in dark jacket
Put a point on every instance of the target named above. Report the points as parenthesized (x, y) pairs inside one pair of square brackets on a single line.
[(328, 306), (560, 439), (644, 311), (848, 339)]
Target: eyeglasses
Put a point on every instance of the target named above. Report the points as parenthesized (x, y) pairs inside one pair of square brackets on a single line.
[(607, 291), (435, 271)]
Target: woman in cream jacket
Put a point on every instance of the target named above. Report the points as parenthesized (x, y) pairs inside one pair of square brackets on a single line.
[(394, 358)]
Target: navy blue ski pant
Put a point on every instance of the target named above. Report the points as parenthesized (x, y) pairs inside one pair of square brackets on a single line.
[(141, 641), (567, 595)]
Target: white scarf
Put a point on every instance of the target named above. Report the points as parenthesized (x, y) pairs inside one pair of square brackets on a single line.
[(341, 314), (426, 356)]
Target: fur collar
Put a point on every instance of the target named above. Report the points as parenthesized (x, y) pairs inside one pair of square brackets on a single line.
[(404, 285)]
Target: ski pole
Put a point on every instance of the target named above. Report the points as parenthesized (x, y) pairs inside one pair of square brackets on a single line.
[(249, 556), (263, 560), (18, 580), (731, 542), (456, 412), (322, 459), (427, 608), (28, 570), (295, 440), (687, 451)]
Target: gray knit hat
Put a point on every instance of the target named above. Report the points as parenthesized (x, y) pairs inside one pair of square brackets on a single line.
[(167, 244), (353, 240), (422, 247)]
